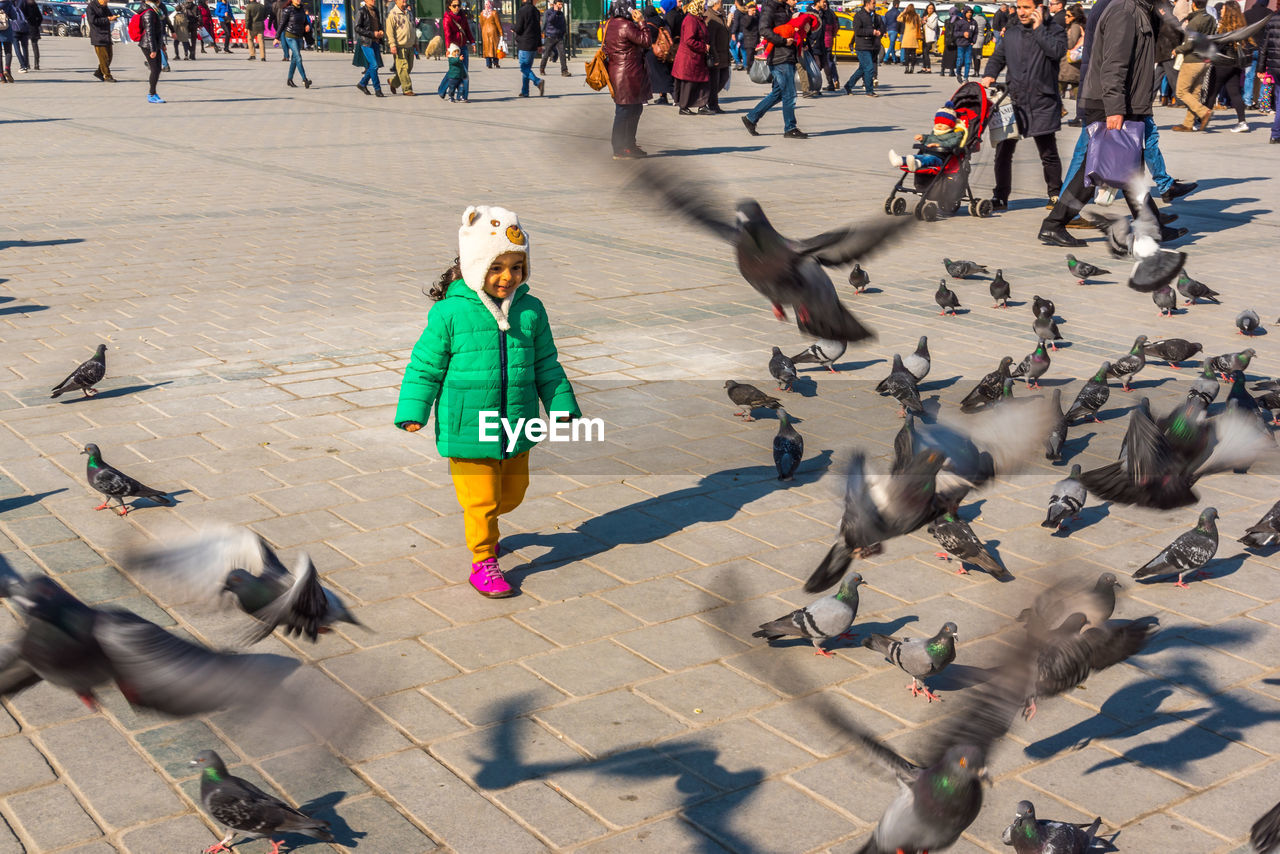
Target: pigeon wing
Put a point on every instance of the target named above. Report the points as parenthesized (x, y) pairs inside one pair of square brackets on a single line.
[(302, 610), (682, 195), (198, 565), (854, 242), (15, 673)]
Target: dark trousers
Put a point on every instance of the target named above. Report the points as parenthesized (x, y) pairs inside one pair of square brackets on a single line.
[(719, 79), (557, 45), (226, 36), (928, 51), (7, 49), (949, 59), (1047, 146), (832, 71), (1222, 80), (153, 69), (626, 119), (104, 53), (1076, 195), (35, 50), (20, 42)]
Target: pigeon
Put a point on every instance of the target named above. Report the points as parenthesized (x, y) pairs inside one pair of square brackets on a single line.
[(828, 617), (1033, 366), (1058, 432), (748, 397), (858, 278), (783, 370), (788, 447), (1153, 266), (1166, 300), (1029, 835), (86, 375), (1271, 402), (1043, 306), (1228, 363), (114, 483), (1239, 397), (1189, 553), (1070, 653), (1044, 327), (1194, 291), (1265, 533), (946, 299), (1065, 501), (1265, 833), (233, 560), (1128, 365), (1092, 397), (1209, 47), (1097, 602), (786, 272), (1000, 290), (989, 389), (918, 363), (962, 269), (824, 353), (1172, 350), (1248, 322), (957, 538), (918, 657), (1206, 386), (901, 385), (242, 807), (1082, 271)]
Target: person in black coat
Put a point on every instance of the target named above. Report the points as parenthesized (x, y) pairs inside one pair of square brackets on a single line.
[(528, 33), (866, 43), (1269, 61), (1030, 51), (675, 20), (35, 18), (554, 33), (750, 15), (152, 46), (99, 18), (719, 60)]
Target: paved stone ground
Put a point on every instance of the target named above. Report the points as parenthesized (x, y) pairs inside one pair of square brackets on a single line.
[(254, 257)]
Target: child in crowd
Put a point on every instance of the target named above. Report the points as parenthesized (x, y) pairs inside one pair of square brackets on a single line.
[(949, 133), (456, 74), (487, 349)]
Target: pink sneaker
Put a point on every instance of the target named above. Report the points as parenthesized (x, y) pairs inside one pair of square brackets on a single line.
[(488, 581)]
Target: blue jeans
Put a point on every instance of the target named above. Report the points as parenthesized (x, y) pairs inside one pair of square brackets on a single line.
[(526, 71), (735, 50), (928, 161), (891, 55), (1150, 154), (21, 45), (1275, 105), (370, 68), (964, 60), (293, 47), (1250, 72), (866, 71), (784, 90)]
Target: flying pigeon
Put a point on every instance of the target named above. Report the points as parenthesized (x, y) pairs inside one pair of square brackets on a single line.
[(1082, 271), (1172, 350), (782, 369), (1127, 366), (1029, 835), (1000, 290), (1033, 366), (1193, 290), (957, 538), (242, 807), (86, 375), (1265, 833), (1045, 328), (1271, 402), (946, 299), (1092, 397), (788, 447), (1248, 322), (237, 561), (1209, 47), (1228, 363), (1166, 300), (918, 657), (1206, 386), (858, 278), (828, 617), (901, 385), (824, 353), (786, 272), (1069, 653), (962, 269), (1239, 397), (1058, 432), (918, 363), (989, 389), (1043, 306), (1189, 553), (748, 397), (1065, 501), (1153, 267), (114, 483), (1266, 531), (1095, 601)]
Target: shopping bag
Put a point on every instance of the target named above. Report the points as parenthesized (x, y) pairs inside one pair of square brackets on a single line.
[(1113, 157), (759, 71), (1003, 123), (205, 37)]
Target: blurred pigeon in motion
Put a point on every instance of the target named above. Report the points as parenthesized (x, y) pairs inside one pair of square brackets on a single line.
[(86, 375), (1092, 397), (825, 353), (1248, 322), (1097, 602), (829, 617), (1271, 402), (114, 483), (783, 370), (1082, 271), (236, 560), (989, 389), (1265, 533), (919, 363), (1045, 328), (788, 447), (1172, 350), (946, 298), (1127, 366), (859, 278), (1070, 653), (919, 658), (1033, 366), (748, 397), (1043, 306), (958, 539), (1058, 431), (901, 386), (962, 269), (1228, 363), (1209, 46), (242, 807), (1265, 833), (1188, 553), (1029, 835), (1166, 300), (1206, 386), (1065, 501), (1000, 290), (1153, 267), (1194, 291)]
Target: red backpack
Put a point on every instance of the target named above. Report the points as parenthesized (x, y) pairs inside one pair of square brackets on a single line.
[(135, 27)]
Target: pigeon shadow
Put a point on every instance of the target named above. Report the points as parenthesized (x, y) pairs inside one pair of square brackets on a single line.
[(1222, 567), (141, 502), (957, 677), (1072, 446), (718, 149), (1088, 516), (993, 548), (6, 299), (870, 289), (805, 387), (62, 241), (8, 505), (1149, 383), (857, 366), (21, 309), (325, 809), (939, 385), (113, 392), (1257, 333), (892, 627)]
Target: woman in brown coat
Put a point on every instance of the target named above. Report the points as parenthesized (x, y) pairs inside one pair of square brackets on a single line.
[(1068, 71), (626, 41), (912, 36), (690, 68), (490, 34)]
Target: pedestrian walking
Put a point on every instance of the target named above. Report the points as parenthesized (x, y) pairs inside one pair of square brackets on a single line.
[(205, 25), (912, 36), (1069, 67), (719, 60), (100, 21), (954, 17), (965, 31), (183, 30), (455, 76), (830, 26), (528, 33), (152, 46), (782, 68), (626, 46), (8, 11), (1228, 68), (368, 55), (1192, 73), (866, 41), (930, 24), (690, 69), (276, 12), (490, 35), (750, 32), (980, 38), (222, 14), (891, 17), (21, 34), (402, 41), (487, 350), (30, 10), (1269, 63), (255, 22), (457, 31), (660, 81), (554, 34), (295, 23)]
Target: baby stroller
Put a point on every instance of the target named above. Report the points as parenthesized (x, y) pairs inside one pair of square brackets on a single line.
[(943, 188)]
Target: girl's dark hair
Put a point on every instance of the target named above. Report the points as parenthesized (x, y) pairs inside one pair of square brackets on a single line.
[(447, 278)]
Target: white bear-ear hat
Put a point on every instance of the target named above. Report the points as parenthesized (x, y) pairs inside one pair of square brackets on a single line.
[(486, 233)]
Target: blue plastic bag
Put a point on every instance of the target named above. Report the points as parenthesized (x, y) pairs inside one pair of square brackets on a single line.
[(1113, 157)]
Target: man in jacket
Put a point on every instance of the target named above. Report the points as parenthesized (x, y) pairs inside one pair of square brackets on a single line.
[(152, 46), (891, 22), (402, 41), (1191, 75), (554, 29), (99, 18), (866, 41), (528, 33), (369, 32), (965, 32), (1000, 21), (222, 12), (1030, 51), (830, 26), (782, 68), (255, 22)]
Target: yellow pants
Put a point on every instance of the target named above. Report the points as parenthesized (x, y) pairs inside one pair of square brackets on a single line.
[(486, 489), (1190, 77)]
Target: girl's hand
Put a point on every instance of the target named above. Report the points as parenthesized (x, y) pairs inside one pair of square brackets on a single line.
[(412, 427)]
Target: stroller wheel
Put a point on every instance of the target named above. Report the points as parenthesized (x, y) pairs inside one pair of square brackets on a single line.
[(984, 208), (927, 211), (889, 204), (899, 206)]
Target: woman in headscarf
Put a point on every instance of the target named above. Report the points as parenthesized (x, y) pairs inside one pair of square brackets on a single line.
[(626, 46), (490, 34), (690, 68), (659, 71)]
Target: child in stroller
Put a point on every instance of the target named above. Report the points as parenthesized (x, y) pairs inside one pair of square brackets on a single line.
[(949, 134)]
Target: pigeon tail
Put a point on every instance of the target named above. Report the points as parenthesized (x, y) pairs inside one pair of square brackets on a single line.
[(1265, 834), (832, 568), (155, 495), (880, 643)]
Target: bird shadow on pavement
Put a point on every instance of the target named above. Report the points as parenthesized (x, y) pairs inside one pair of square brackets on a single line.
[(871, 289), (805, 387), (959, 676), (1222, 567), (8, 505), (719, 149), (1074, 445), (325, 809), (144, 503), (1138, 385), (115, 392), (857, 366), (1258, 333), (856, 632), (939, 385), (6, 299), (62, 241), (1088, 516)]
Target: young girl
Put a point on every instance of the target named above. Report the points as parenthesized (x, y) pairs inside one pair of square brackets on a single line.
[(487, 349)]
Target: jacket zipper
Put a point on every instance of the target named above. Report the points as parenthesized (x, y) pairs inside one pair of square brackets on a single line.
[(502, 388)]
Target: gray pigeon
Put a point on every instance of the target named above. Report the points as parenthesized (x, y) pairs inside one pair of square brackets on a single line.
[(1058, 433), (86, 375), (1065, 501), (989, 389), (242, 807), (1029, 835), (1206, 386), (114, 483), (783, 370), (919, 363), (1000, 290), (1095, 601), (946, 298), (1154, 267), (1082, 271), (1166, 300), (1045, 327), (1128, 365), (1248, 322), (1194, 291), (901, 385), (825, 353), (1265, 833), (1041, 306), (1228, 363), (918, 657), (828, 617), (1208, 47), (1092, 397), (1033, 366), (955, 535), (1189, 553), (1265, 533), (1172, 350), (962, 269), (1070, 653), (788, 447), (748, 397), (858, 278)]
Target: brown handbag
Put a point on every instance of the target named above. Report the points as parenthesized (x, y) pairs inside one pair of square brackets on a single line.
[(598, 70)]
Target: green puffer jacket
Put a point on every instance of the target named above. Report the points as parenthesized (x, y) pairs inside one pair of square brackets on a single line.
[(466, 364)]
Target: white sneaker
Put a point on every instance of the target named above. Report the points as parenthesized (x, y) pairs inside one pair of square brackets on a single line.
[(1105, 196), (1243, 127), (912, 163), (895, 159)]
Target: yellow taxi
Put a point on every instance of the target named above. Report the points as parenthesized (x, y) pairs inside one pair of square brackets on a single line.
[(844, 35)]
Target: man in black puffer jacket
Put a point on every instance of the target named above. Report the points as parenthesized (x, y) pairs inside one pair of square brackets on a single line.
[(1269, 61), (866, 42), (528, 33), (782, 66)]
